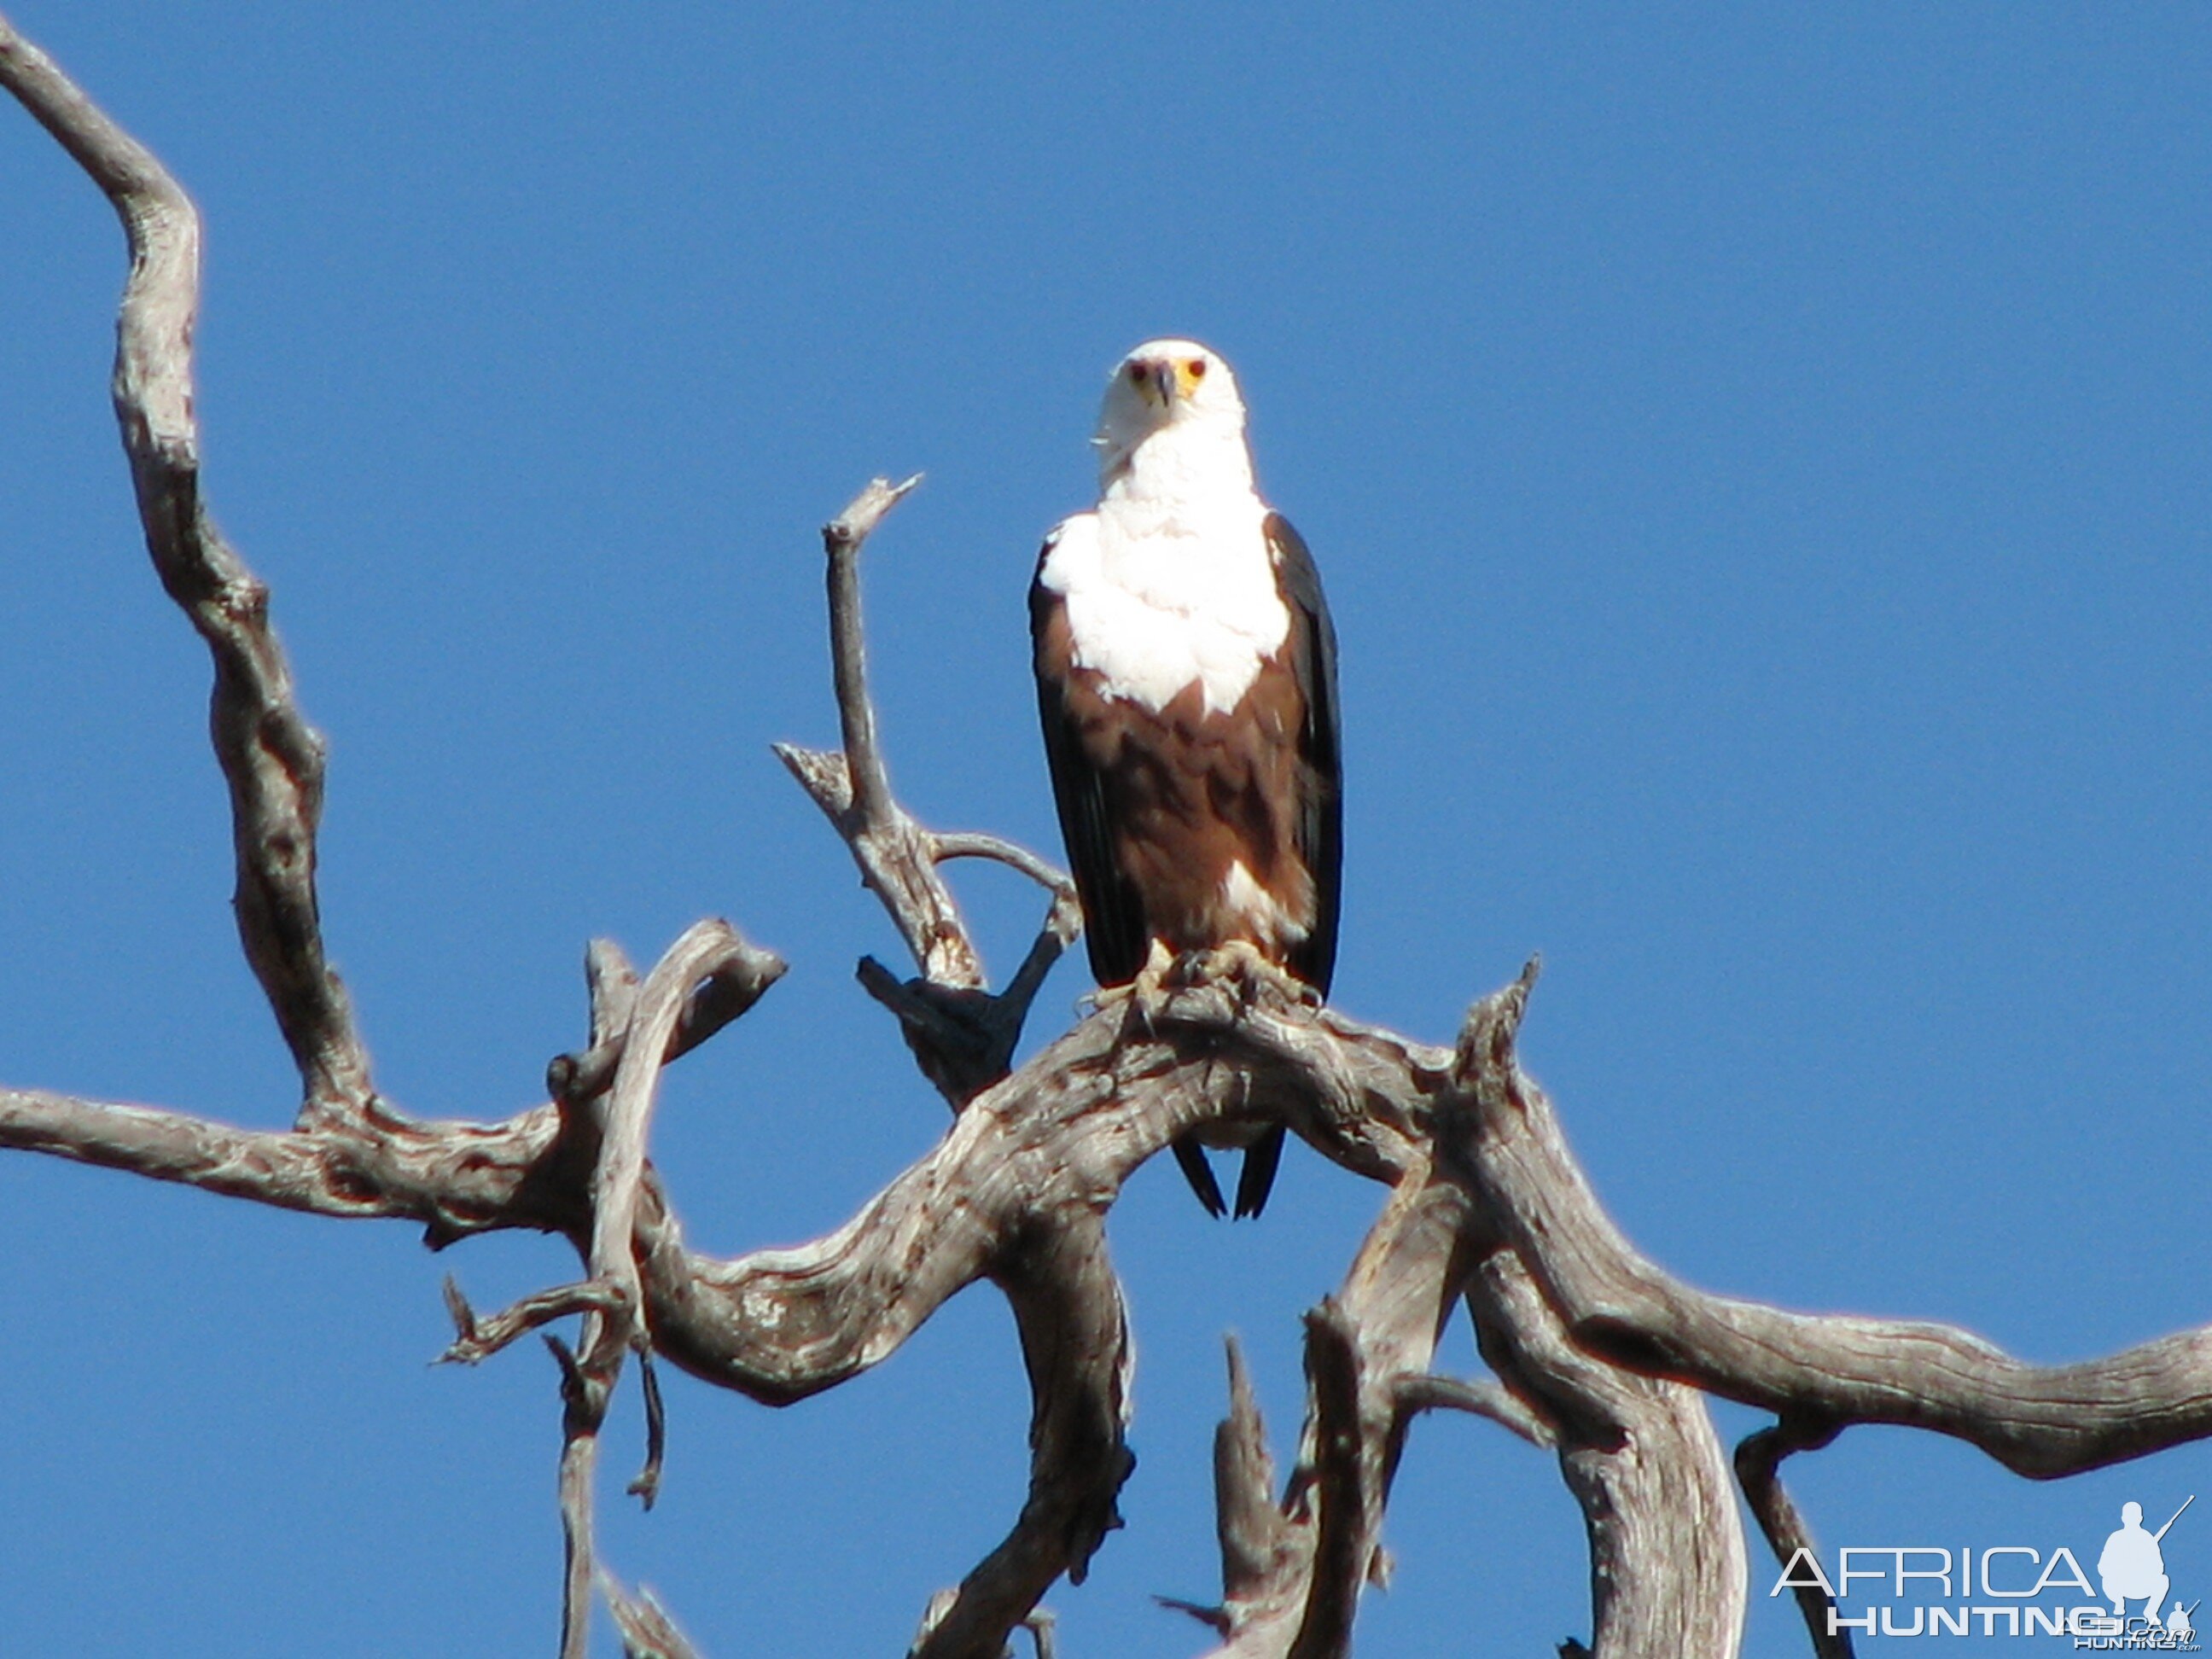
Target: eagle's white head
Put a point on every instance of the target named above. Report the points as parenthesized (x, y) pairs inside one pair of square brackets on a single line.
[(1172, 420)]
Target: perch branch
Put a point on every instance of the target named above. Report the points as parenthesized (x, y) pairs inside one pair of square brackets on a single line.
[(1059, 1135)]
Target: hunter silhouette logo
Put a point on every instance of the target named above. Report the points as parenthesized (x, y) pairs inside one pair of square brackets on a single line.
[(2133, 1567)]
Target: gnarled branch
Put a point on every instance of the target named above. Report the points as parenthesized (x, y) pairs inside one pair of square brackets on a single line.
[(271, 758)]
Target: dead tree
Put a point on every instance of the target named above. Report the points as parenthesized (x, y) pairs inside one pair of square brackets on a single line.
[(1598, 1355)]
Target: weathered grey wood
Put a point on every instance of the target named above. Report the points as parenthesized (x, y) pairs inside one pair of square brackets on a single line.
[(271, 758), (646, 1630), (1758, 1471), (738, 981), (1668, 1571), (2038, 1421)]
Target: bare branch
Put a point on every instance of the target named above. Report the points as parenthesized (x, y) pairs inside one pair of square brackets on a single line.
[(1668, 1568), (614, 1323), (1055, 1138), (2038, 1421), (1075, 1341), (1667, 1556), (963, 1038), (1430, 1392), (970, 845), (1347, 1506), (648, 1630), (706, 948), (1757, 1470), (271, 758), (727, 992), (1256, 1548), (647, 1487), (584, 1408), (457, 1178), (843, 538), (852, 789), (478, 1339)]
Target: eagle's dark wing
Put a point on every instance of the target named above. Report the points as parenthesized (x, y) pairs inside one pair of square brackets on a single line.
[(1318, 830), (1113, 914), (1317, 827)]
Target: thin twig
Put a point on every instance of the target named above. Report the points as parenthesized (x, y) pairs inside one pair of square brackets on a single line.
[(584, 1408), (842, 539), (969, 844), (1758, 1471), (478, 1338), (1430, 1392), (648, 1630), (647, 1487)]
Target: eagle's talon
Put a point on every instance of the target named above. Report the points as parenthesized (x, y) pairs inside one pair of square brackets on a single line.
[(1152, 980)]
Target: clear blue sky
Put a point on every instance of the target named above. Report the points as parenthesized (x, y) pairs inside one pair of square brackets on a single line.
[(1762, 466)]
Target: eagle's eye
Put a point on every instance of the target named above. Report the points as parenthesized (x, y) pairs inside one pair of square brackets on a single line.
[(1197, 368), (1136, 373)]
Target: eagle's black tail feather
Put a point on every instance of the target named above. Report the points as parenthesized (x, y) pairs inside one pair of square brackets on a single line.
[(1258, 1177), (1197, 1171)]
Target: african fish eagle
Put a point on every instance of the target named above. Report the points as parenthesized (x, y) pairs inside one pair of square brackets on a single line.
[(1186, 671)]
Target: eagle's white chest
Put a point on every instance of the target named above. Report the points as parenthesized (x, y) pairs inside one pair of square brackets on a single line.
[(1164, 595)]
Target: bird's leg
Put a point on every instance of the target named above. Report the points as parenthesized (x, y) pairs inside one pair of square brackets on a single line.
[(1154, 977)]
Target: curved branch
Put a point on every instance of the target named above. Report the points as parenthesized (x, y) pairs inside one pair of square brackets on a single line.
[(842, 539), (705, 949), (2038, 1421), (1758, 1472), (970, 844), (271, 758), (741, 978)]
